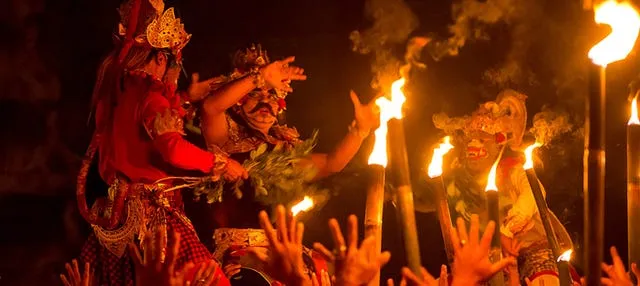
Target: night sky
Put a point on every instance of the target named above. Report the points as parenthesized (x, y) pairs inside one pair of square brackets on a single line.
[(50, 50)]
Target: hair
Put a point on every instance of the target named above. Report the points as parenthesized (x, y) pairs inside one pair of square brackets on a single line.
[(109, 76)]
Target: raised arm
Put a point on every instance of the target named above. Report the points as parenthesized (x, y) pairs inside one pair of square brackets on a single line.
[(274, 75), (366, 118)]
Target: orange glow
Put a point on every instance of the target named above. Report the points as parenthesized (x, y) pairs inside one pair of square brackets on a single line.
[(633, 119), (389, 109), (304, 205), (491, 180), (435, 168), (625, 23), (566, 256), (528, 154)]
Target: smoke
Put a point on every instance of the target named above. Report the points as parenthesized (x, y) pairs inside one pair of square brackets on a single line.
[(471, 18), (548, 125), (392, 23)]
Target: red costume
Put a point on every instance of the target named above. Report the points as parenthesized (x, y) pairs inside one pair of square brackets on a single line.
[(139, 142)]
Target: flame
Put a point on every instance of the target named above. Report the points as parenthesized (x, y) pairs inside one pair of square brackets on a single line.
[(304, 205), (625, 23), (435, 168), (528, 154), (491, 180), (566, 256), (633, 119), (389, 109)]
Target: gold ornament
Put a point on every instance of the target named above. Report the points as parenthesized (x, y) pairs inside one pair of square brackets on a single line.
[(167, 32)]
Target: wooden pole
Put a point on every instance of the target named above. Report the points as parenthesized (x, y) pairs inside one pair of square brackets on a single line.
[(543, 209), (594, 174), (444, 216), (402, 180), (373, 210), (633, 194)]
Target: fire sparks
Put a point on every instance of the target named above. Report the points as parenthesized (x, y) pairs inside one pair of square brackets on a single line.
[(528, 153), (625, 23), (566, 256), (435, 168), (633, 119), (389, 109), (304, 205)]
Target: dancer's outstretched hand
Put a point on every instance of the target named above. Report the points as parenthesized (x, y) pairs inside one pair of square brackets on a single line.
[(471, 264)]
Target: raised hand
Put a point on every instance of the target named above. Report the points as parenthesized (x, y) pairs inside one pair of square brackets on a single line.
[(284, 262), (367, 116), (75, 278), (324, 280), (207, 275), (151, 269), (617, 273), (198, 90), (471, 263), (354, 266), (279, 74)]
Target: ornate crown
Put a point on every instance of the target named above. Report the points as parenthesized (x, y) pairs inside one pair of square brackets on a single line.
[(167, 32), (249, 58), (153, 25)]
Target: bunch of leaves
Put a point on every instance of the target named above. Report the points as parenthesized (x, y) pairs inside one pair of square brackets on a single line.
[(278, 176)]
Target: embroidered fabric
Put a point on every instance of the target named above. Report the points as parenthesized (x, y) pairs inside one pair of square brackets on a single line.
[(116, 240), (169, 121)]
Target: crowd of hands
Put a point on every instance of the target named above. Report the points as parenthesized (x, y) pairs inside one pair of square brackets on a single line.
[(356, 263)]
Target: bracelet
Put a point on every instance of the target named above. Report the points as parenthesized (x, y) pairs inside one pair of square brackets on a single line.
[(353, 128), (258, 79)]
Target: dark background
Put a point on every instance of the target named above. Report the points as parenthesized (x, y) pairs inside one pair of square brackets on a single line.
[(50, 49)]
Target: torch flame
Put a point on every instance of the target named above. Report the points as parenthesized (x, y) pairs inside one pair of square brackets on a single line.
[(566, 256), (633, 119), (625, 23), (528, 154), (304, 205), (389, 109), (435, 168), (491, 180)]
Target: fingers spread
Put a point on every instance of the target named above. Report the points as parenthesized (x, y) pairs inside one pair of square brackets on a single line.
[(338, 239), (352, 235)]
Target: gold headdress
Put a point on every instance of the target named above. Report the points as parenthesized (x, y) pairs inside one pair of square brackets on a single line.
[(153, 25), (506, 115), (246, 60)]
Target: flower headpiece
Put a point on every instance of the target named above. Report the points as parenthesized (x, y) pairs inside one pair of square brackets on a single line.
[(507, 116), (147, 23)]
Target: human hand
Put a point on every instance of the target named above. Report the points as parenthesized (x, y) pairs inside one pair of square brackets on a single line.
[(279, 74), (354, 266), (234, 171), (471, 263), (325, 279), (284, 262), (198, 90), (617, 274), (207, 275), (75, 278), (510, 246), (150, 269), (367, 116)]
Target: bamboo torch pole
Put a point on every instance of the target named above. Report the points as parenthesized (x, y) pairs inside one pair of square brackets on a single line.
[(375, 192), (402, 180), (442, 205), (625, 23), (633, 186)]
